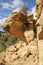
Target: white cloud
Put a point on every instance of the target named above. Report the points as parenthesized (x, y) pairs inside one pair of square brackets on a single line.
[(5, 5), (2, 21), (17, 9), (28, 11), (15, 4), (33, 10), (0, 17)]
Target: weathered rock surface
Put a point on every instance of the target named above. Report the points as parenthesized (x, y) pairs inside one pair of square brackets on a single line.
[(20, 54), (39, 8), (17, 24)]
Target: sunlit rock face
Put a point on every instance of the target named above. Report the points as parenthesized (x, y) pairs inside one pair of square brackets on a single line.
[(20, 53), (39, 8), (17, 24), (41, 35), (39, 29)]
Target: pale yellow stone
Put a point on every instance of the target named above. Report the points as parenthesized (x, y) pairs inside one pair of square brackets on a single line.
[(12, 48)]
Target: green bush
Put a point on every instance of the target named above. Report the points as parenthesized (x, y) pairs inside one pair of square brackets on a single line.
[(6, 40), (2, 48), (11, 40)]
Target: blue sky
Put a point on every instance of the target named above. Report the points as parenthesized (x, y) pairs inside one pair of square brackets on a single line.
[(9, 6)]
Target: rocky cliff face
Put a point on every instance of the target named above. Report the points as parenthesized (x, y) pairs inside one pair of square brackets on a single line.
[(20, 53), (39, 6), (17, 24)]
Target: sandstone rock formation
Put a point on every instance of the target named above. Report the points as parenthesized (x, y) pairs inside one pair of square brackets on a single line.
[(17, 24), (19, 54), (39, 8)]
